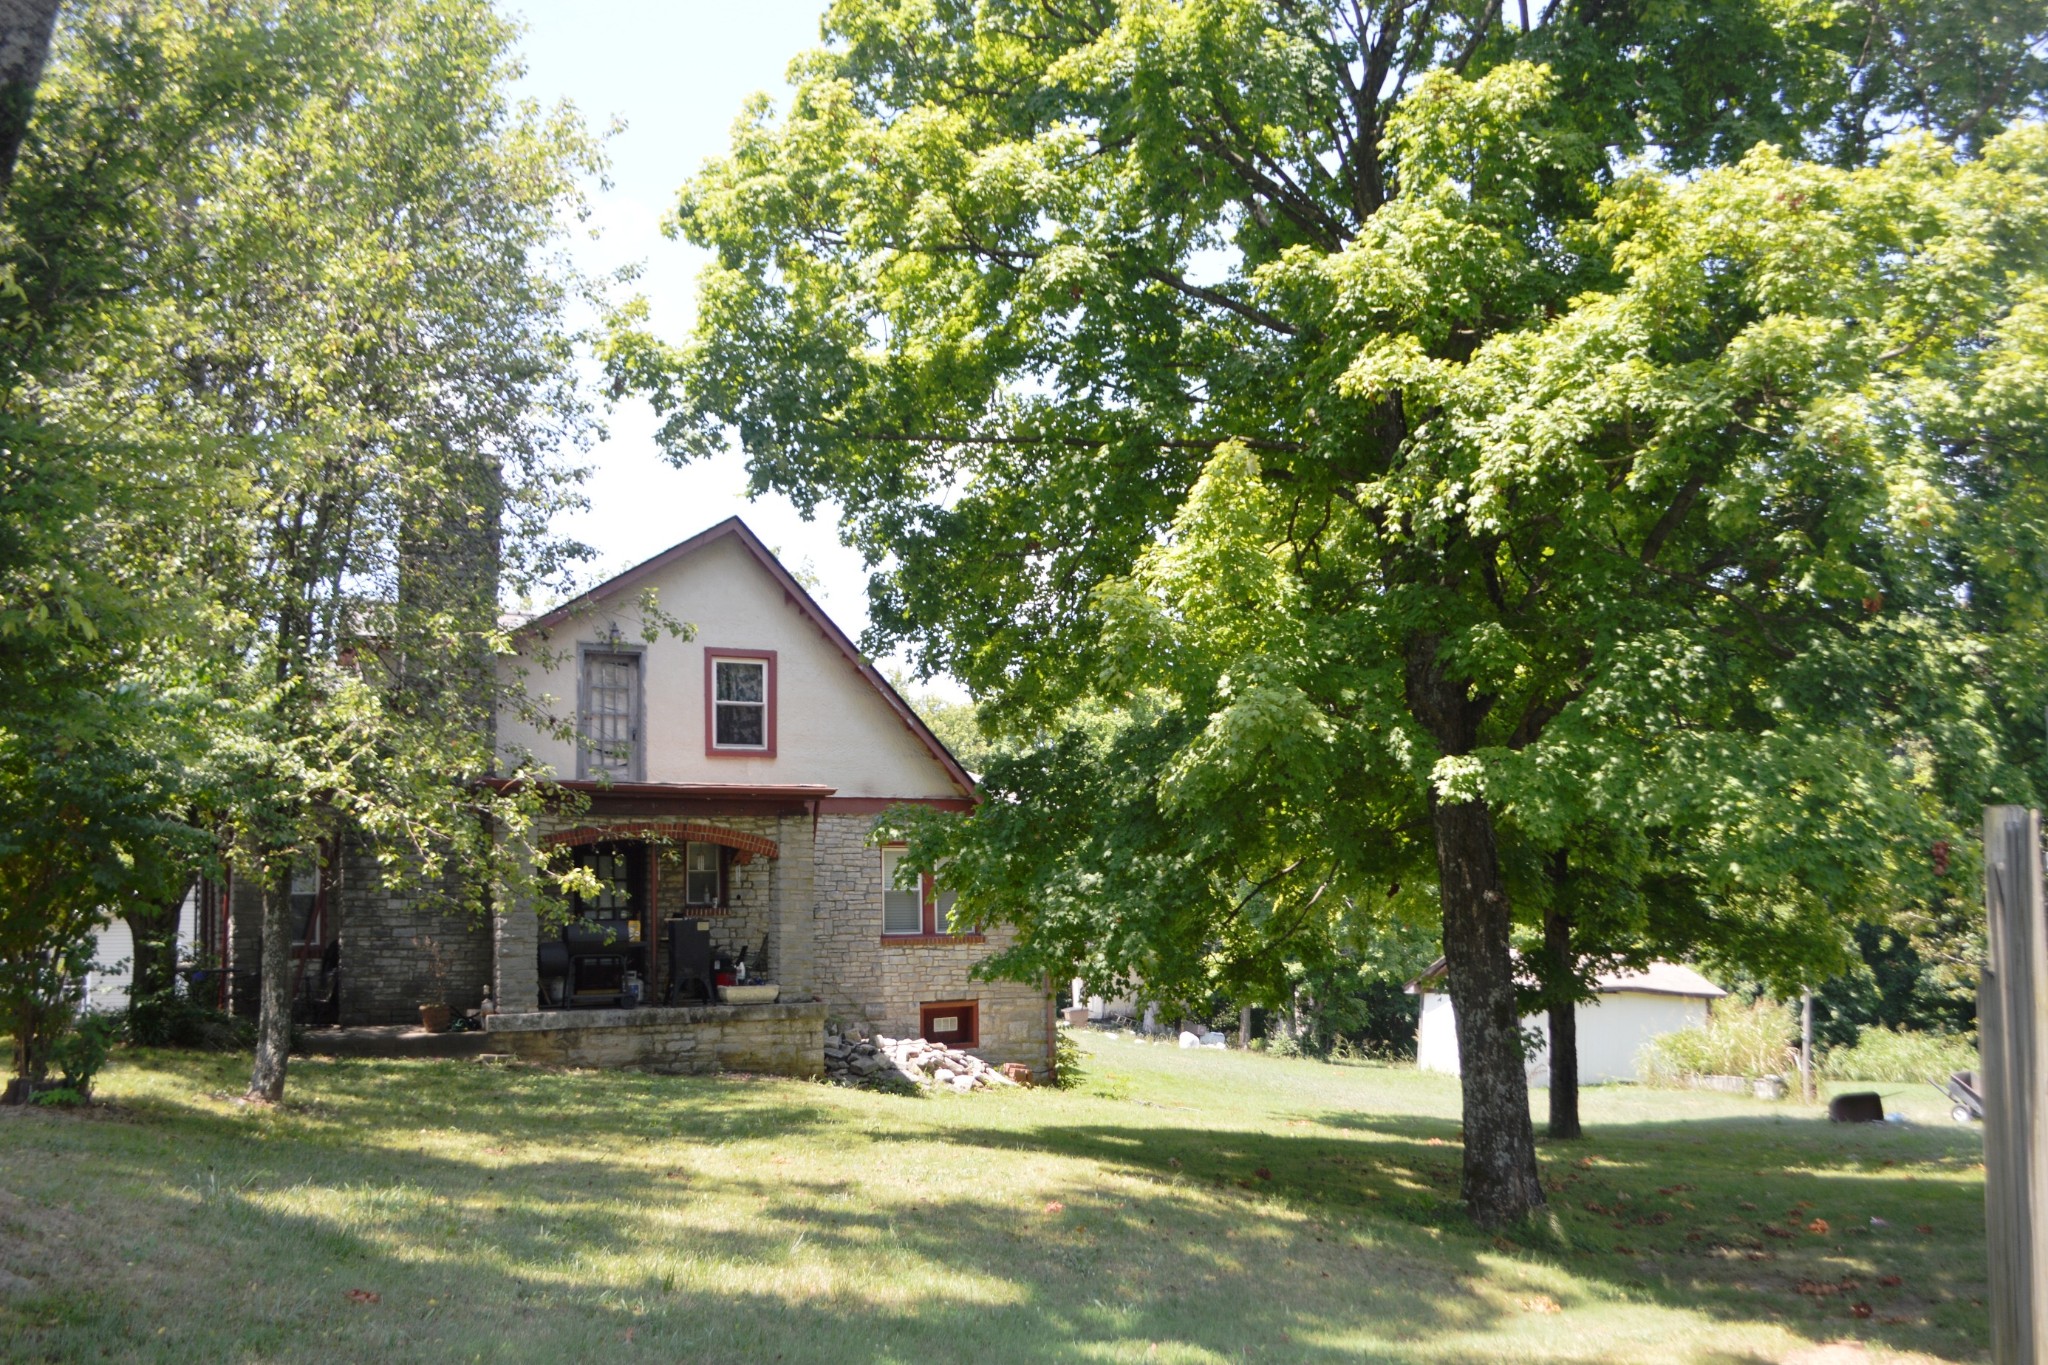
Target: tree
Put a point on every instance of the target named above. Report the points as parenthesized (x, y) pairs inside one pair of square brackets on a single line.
[(25, 28), (99, 727), (343, 345), (1316, 369), (82, 803)]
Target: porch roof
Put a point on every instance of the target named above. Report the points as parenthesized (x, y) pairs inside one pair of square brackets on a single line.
[(681, 831), (610, 795)]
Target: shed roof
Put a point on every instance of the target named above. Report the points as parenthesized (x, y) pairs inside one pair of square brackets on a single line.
[(1658, 978)]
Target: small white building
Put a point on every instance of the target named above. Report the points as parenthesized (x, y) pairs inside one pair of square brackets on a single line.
[(1099, 1008), (1633, 1008), (113, 957)]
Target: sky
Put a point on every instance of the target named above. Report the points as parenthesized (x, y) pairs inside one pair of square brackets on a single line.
[(676, 75)]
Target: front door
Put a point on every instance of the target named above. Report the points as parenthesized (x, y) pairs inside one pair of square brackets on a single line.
[(620, 906)]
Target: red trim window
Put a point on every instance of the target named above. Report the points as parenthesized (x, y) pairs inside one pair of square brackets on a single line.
[(954, 1023), (739, 703), (912, 903)]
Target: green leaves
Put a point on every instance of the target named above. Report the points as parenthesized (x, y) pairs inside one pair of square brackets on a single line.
[(286, 387), (1629, 420)]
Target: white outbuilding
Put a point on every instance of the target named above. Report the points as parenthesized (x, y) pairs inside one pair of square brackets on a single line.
[(1633, 1008)]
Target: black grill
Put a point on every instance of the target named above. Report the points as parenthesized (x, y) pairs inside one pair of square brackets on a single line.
[(689, 961)]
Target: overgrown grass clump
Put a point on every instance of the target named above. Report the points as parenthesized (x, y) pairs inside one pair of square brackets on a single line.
[(1882, 1054), (1737, 1040)]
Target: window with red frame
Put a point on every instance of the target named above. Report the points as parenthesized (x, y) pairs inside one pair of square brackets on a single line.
[(739, 702)]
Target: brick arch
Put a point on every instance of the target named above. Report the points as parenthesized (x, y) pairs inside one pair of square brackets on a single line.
[(744, 846)]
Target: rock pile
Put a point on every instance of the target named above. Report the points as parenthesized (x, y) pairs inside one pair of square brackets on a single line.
[(858, 1056)]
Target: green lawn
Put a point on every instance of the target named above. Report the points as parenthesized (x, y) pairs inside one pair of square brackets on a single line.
[(1184, 1206)]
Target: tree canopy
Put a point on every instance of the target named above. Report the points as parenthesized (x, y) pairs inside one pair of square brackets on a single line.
[(1452, 435), (291, 393)]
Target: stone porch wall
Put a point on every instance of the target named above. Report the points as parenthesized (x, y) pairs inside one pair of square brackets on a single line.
[(778, 1039), (386, 966), (245, 947), (884, 984)]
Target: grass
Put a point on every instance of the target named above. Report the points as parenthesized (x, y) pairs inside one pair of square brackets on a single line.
[(1182, 1206)]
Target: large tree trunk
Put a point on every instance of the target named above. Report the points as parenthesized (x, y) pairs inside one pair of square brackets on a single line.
[(1501, 1181), (1559, 967), (25, 29), (274, 1016)]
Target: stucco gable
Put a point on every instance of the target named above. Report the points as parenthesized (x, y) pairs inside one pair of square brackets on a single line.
[(845, 694)]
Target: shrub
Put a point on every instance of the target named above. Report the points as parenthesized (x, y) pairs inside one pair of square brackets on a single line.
[(173, 1019), (1280, 1042), (77, 1057), (1346, 1016), (1066, 1061), (1882, 1054), (1736, 1040)]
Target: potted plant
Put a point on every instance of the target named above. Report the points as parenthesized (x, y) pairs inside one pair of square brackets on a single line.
[(434, 1008)]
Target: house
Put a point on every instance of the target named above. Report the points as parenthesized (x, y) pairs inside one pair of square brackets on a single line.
[(734, 782), (106, 985), (1633, 1008)]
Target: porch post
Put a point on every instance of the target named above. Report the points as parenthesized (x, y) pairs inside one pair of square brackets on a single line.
[(515, 950), (796, 928)]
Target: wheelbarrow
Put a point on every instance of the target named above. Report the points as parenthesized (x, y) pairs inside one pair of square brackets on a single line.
[(1962, 1087)]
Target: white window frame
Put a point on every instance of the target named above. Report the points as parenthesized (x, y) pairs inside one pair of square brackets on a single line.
[(716, 873), (892, 863), (766, 704)]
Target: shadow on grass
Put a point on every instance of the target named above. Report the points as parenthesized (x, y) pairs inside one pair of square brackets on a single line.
[(572, 1257), (1783, 1219), (1332, 1236)]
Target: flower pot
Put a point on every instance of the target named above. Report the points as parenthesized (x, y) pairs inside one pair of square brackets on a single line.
[(749, 995), (434, 1018)]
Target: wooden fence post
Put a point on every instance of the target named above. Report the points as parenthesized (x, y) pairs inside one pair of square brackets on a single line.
[(2012, 1028), (1806, 1046)]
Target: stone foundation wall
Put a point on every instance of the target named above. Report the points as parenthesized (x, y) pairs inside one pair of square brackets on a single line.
[(778, 1039), (387, 971), (883, 984)]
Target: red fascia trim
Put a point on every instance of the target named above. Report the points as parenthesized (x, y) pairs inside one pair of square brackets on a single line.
[(683, 791), (679, 831), (804, 602), (875, 805), (774, 670)]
